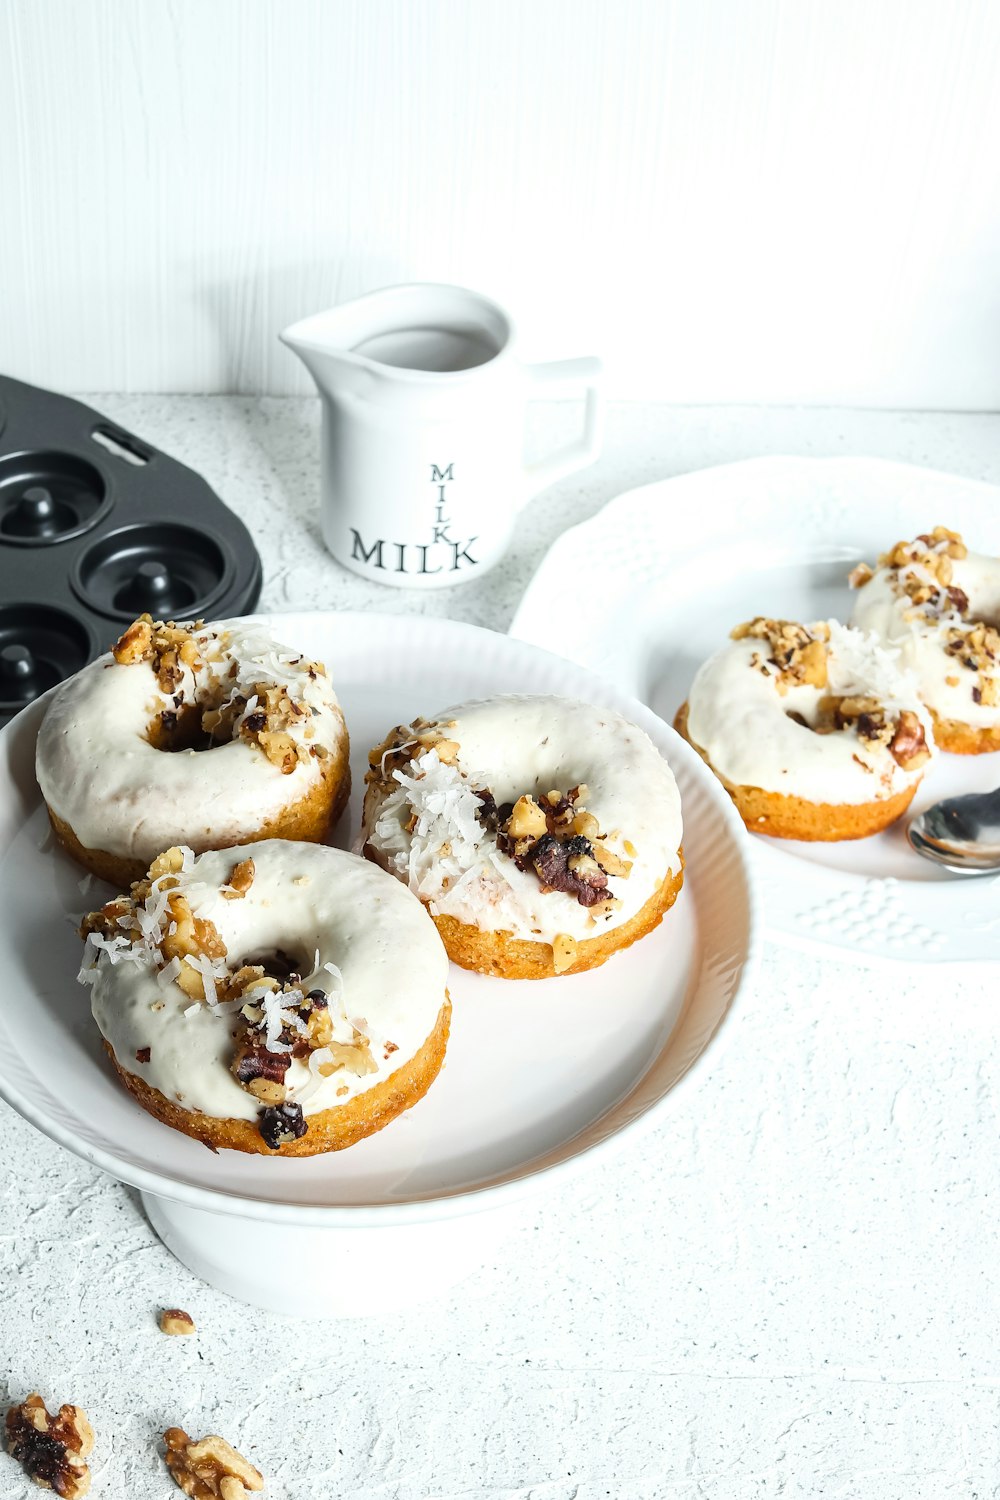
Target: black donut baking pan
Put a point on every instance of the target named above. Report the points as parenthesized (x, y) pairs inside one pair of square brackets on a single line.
[(97, 526)]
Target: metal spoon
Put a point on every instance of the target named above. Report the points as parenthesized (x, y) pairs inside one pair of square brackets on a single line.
[(961, 833)]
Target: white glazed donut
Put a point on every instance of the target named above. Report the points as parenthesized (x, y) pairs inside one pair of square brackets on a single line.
[(938, 605), (114, 758), (460, 809), (179, 1016), (812, 729)]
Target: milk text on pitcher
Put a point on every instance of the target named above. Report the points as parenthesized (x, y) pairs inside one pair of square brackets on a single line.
[(443, 550)]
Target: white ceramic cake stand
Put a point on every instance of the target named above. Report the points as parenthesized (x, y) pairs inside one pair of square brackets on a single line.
[(540, 1079)]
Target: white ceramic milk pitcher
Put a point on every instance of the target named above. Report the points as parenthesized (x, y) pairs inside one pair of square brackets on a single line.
[(423, 408)]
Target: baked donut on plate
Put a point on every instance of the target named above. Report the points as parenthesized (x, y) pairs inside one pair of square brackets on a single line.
[(543, 834), (938, 605), (276, 998), (812, 730), (207, 736)]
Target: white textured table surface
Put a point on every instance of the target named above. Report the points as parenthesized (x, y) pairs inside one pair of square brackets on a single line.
[(790, 1290)]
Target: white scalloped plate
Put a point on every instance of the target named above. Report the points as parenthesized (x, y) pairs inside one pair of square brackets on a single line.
[(651, 586), (537, 1077)]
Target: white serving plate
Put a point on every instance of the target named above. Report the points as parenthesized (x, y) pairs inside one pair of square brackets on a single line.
[(648, 588), (539, 1078)]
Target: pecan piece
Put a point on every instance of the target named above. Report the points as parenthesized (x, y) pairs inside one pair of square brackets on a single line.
[(51, 1449)]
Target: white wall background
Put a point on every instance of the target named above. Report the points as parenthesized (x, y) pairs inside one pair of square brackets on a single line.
[(763, 200)]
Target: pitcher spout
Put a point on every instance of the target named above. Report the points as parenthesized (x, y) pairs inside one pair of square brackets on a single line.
[(323, 343), (401, 334)]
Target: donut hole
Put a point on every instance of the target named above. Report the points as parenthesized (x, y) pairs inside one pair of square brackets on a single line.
[(279, 963), (179, 729), (182, 728), (823, 723)]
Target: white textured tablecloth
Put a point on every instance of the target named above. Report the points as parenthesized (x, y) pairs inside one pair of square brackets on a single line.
[(790, 1290)]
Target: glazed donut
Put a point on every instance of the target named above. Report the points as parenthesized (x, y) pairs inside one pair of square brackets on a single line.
[(938, 605), (543, 834), (275, 998), (260, 748), (811, 729)]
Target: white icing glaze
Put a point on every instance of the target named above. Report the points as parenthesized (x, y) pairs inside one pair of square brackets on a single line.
[(517, 745), (919, 637), (98, 772), (738, 717), (392, 963)]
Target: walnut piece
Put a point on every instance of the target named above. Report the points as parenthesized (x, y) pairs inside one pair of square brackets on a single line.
[(192, 937), (51, 1449), (859, 576), (240, 880), (527, 820), (280, 749), (564, 951), (134, 644), (174, 1320), (908, 746), (210, 1469)]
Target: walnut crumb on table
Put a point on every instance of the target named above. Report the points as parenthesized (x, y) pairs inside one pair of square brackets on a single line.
[(210, 1469), (51, 1448), (175, 1320)]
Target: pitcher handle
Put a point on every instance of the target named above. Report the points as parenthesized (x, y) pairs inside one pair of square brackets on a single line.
[(569, 375)]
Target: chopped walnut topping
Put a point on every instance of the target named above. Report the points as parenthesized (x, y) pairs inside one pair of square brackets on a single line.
[(134, 644), (908, 747), (210, 1469), (51, 1449), (932, 550), (546, 835), (798, 653), (168, 646), (410, 741), (189, 937), (859, 576), (923, 571), (902, 734), (170, 862), (356, 1057), (527, 820), (175, 1321), (280, 749), (564, 950), (240, 880), (186, 937), (977, 648), (262, 1059)]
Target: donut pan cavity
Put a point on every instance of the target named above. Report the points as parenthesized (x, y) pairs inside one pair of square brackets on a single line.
[(96, 527)]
